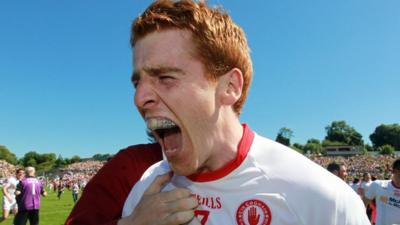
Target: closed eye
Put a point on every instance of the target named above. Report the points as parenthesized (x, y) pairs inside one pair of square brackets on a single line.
[(166, 79)]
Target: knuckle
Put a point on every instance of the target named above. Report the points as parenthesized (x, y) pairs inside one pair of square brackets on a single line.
[(183, 217), (194, 202)]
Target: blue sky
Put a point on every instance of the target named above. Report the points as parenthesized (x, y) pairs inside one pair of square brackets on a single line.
[(65, 70)]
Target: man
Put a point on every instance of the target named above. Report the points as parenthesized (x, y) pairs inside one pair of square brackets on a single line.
[(387, 196), (192, 74), (9, 201), (29, 191), (363, 187), (75, 191), (339, 170)]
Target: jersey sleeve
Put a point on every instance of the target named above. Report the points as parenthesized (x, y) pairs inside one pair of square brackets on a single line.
[(103, 198)]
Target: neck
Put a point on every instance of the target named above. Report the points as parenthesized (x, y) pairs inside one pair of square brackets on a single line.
[(230, 133)]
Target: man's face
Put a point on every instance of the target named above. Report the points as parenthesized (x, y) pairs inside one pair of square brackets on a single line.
[(396, 174), (175, 99), (343, 173), (20, 175), (367, 177)]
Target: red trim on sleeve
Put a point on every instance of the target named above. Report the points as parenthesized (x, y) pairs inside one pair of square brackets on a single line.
[(243, 149)]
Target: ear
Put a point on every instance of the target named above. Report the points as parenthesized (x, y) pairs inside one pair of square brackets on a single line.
[(230, 86)]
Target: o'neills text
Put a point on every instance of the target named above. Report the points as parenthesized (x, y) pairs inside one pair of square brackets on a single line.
[(210, 202)]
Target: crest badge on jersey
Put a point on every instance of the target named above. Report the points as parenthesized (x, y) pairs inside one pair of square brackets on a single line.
[(253, 212)]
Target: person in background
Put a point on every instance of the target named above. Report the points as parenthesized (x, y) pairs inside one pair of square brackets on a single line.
[(29, 191), (60, 189), (75, 192), (363, 187), (9, 200), (387, 197), (339, 170)]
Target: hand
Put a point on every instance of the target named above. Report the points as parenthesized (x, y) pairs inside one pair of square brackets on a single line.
[(162, 208), (252, 216)]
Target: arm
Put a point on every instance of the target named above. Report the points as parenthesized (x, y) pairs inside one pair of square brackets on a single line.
[(369, 194), (104, 196), (5, 191), (18, 189), (361, 192)]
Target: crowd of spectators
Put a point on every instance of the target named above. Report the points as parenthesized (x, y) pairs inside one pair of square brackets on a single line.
[(378, 166), (6, 170), (80, 173)]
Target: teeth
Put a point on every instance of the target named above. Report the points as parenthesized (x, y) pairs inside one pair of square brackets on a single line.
[(158, 123), (170, 150)]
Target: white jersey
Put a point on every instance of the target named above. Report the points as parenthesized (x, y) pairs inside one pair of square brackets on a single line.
[(364, 186), (12, 182), (267, 184), (355, 186), (387, 199)]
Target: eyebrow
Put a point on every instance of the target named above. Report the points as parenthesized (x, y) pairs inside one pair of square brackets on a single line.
[(154, 71)]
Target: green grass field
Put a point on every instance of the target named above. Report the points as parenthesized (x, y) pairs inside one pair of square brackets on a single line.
[(52, 210)]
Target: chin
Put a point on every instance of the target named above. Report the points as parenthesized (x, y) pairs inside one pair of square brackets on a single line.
[(182, 171)]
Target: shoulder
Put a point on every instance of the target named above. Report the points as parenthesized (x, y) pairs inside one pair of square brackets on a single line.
[(129, 164), (146, 153), (11, 180), (375, 188), (123, 170), (281, 162), (380, 184), (136, 157), (302, 181)]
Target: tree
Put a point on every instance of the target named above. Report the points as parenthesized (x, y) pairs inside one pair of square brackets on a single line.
[(42, 162), (60, 162), (342, 133), (386, 150), (284, 136), (75, 159), (101, 157), (313, 146), (7, 155), (46, 157), (29, 159), (368, 148), (386, 134), (31, 162), (298, 147)]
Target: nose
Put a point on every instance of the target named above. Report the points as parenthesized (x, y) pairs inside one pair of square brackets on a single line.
[(145, 96)]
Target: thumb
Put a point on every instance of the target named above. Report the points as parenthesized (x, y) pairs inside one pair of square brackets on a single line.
[(158, 183)]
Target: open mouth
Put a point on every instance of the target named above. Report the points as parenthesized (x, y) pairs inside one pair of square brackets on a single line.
[(168, 135)]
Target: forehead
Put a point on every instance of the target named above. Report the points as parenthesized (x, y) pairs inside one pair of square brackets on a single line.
[(163, 47)]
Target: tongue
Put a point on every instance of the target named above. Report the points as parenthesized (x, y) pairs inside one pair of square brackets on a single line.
[(172, 139)]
